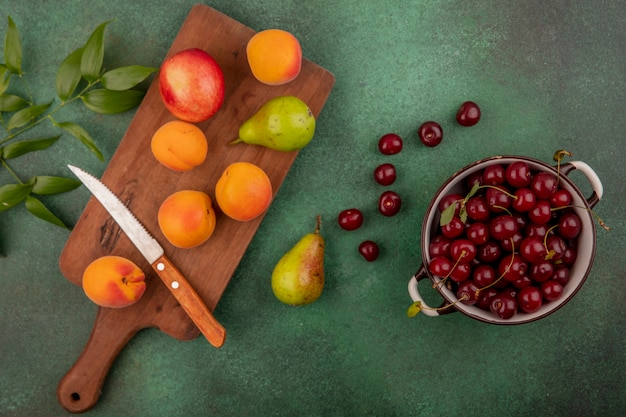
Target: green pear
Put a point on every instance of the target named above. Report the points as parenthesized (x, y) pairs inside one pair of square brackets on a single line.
[(298, 277), (283, 123)]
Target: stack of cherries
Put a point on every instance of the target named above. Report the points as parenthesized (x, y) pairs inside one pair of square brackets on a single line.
[(507, 245)]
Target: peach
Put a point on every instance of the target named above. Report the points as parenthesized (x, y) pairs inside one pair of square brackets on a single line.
[(274, 56), (187, 218), (179, 145), (243, 191), (191, 84), (113, 281)]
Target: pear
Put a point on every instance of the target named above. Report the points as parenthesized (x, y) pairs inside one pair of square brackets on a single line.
[(283, 123), (298, 277)]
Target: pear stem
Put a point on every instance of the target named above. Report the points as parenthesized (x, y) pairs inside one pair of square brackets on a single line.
[(318, 224), (236, 141)]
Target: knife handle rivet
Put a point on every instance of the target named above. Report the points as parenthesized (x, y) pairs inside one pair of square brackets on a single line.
[(160, 266), (174, 284)]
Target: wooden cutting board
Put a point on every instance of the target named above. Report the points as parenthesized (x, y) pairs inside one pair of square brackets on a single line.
[(141, 182)]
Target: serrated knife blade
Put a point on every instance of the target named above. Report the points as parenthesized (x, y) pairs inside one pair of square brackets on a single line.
[(155, 255)]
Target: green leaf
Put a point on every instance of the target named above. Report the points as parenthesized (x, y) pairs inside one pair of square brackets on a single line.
[(93, 54), (26, 115), (447, 214), (43, 184), (68, 75), (81, 134), (13, 150), (473, 191), (5, 77), (124, 78), (112, 102), (37, 208), (10, 102), (414, 309), (13, 49), (13, 194)]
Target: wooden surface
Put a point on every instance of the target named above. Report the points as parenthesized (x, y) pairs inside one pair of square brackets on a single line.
[(142, 183)]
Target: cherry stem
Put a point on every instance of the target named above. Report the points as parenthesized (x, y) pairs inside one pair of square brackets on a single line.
[(593, 213)]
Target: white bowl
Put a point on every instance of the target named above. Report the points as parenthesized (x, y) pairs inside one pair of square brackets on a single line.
[(586, 240)]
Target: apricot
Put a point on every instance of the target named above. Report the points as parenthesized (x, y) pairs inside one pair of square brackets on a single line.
[(243, 191), (113, 281), (274, 56), (187, 218), (178, 145)]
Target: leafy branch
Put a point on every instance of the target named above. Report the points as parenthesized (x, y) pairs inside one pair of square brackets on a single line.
[(80, 77)]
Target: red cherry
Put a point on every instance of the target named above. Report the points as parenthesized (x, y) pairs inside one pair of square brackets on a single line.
[(529, 299), (390, 144), (385, 174), (468, 114), (350, 219), (369, 250), (430, 133), (389, 203)]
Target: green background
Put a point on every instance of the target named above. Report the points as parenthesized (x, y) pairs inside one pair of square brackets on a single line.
[(548, 75)]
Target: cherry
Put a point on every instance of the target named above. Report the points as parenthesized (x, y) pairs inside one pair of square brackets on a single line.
[(503, 305), (369, 249), (569, 225), (544, 184), (540, 213), (430, 133), (385, 174), (473, 179), (484, 275), (512, 267), (440, 266), (518, 174), (390, 144), (468, 114), (556, 247), (551, 290), (502, 227), (460, 272), (450, 199), (512, 243), (561, 198), (485, 296), (489, 252), (477, 209), (561, 275), (524, 201), (439, 246), (569, 256), (532, 249), (529, 299), (462, 251), (389, 203), (533, 229), (497, 199), (350, 219), (453, 228), (522, 282), (493, 174), (467, 292), (541, 271), (478, 233)]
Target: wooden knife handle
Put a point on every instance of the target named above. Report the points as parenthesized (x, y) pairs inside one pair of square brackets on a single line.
[(190, 301)]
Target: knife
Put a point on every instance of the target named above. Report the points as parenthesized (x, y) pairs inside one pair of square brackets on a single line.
[(155, 255)]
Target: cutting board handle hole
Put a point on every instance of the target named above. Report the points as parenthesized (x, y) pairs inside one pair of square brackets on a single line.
[(75, 396)]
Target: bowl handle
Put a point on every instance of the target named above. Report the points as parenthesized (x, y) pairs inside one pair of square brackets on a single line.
[(594, 180), (415, 295)]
